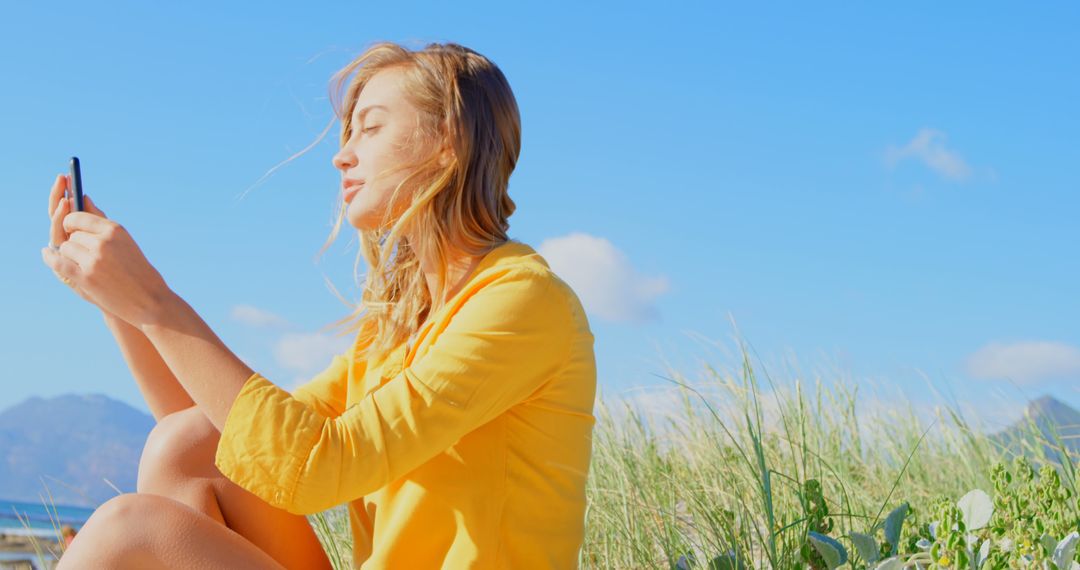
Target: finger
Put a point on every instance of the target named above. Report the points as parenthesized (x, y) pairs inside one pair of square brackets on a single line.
[(59, 188), (86, 222), (86, 240), (57, 235), (62, 266), (76, 253)]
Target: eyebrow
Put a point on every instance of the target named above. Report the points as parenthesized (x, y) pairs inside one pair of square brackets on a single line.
[(364, 111)]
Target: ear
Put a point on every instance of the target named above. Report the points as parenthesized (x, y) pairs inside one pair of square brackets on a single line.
[(445, 156)]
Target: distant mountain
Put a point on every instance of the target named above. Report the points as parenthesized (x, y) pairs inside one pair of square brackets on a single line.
[(70, 444), (1044, 415)]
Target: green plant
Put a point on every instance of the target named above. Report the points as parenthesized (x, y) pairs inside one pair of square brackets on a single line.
[(786, 477)]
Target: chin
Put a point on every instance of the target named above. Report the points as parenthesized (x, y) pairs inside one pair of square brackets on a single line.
[(365, 224), (357, 224)]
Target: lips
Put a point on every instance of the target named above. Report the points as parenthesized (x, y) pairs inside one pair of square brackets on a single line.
[(352, 191)]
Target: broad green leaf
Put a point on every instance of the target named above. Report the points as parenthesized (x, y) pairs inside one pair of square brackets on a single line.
[(832, 551), (984, 552), (866, 546), (1048, 542), (892, 563), (1066, 550), (977, 509), (893, 523)]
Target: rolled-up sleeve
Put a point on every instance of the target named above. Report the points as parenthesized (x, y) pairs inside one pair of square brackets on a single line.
[(326, 393), (501, 346)]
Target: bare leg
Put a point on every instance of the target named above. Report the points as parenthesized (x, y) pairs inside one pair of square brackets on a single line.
[(151, 532), (178, 462)]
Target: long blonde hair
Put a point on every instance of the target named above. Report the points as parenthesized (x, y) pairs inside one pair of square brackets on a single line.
[(465, 103)]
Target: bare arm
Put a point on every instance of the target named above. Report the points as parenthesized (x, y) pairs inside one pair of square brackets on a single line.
[(159, 386), (205, 367), (163, 393)]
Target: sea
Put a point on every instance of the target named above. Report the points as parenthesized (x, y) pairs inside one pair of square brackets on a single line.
[(37, 519), (40, 519)]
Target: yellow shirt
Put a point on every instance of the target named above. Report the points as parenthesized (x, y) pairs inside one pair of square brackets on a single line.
[(471, 451)]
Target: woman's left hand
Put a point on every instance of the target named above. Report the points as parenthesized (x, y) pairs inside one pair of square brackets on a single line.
[(105, 265)]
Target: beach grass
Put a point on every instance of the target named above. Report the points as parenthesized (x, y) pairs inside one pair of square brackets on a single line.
[(44, 552), (749, 466)]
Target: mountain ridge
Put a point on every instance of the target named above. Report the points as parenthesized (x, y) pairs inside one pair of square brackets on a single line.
[(71, 447), (1047, 415)]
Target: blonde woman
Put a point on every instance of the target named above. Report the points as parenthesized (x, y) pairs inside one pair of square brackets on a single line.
[(457, 428)]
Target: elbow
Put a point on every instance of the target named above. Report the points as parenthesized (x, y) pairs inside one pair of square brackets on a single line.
[(338, 469), (327, 486)]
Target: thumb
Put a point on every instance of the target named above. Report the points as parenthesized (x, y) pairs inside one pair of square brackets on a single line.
[(92, 207)]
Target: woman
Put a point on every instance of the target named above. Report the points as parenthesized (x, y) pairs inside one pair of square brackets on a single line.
[(458, 425)]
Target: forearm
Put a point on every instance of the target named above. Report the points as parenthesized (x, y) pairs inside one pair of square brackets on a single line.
[(160, 388), (206, 369)]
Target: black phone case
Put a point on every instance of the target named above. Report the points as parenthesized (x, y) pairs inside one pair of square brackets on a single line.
[(76, 184)]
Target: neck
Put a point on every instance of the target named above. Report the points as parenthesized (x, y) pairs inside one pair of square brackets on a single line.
[(459, 267)]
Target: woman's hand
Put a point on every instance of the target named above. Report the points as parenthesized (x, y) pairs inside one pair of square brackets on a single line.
[(101, 260), (59, 204)]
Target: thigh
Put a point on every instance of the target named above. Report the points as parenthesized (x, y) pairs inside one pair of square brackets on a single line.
[(151, 531), (287, 537), (180, 464)]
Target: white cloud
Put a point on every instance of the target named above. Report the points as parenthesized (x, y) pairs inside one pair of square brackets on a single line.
[(603, 278), (1025, 362), (297, 381), (256, 317), (308, 353), (928, 146)]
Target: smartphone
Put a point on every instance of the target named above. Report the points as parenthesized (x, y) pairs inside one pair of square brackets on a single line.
[(76, 184)]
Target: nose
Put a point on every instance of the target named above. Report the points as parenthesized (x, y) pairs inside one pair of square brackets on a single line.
[(344, 159)]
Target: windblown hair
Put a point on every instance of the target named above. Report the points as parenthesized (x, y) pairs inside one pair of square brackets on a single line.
[(466, 106)]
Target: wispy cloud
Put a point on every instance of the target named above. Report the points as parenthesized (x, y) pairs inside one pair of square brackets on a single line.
[(604, 278), (307, 352), (256, 317), (299, 354), (1025, 362), (928, 147)]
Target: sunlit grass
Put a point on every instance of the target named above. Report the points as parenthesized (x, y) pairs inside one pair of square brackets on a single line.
[(45, 554), (727, 473)]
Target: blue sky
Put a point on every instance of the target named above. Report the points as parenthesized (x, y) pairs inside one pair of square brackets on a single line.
[(879, 193)]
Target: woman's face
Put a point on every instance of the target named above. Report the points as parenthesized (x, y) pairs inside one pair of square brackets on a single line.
[(382, 122)]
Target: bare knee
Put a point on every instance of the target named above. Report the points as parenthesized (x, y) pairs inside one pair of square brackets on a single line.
[(118, 512), (113, 534), (179, 448), (138, 531)]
